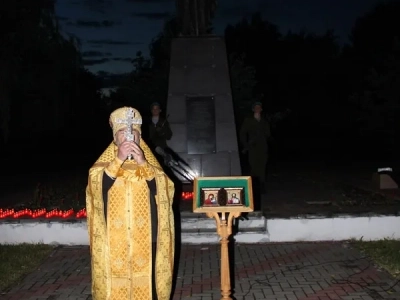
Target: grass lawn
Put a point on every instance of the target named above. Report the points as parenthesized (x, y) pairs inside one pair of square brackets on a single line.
[(386, 253), (16, 261)]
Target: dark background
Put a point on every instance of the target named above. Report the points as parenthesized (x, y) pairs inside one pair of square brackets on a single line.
[(326, 101)]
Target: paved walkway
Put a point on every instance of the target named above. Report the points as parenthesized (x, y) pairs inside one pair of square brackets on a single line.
[(306, 271)]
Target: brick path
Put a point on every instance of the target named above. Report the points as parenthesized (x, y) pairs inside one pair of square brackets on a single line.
[(305, 271)]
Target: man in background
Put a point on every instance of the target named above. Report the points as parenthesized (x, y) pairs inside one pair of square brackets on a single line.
[(159, 129), (129, 216), (254, 135)]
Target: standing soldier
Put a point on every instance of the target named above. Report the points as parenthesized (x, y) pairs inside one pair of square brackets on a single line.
[(254, 135), (159, 129)]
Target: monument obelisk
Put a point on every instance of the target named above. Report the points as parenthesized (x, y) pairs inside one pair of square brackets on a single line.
[(199, 101)]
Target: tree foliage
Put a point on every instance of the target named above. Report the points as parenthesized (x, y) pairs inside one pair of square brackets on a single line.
[(374, 63), (42, 76), (243, 83)]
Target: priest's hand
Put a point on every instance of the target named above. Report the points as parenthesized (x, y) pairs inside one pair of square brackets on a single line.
[(124, 150), (138, 154)]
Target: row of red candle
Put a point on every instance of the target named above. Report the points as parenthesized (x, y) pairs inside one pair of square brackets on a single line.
[(41, 213), (187, 195)]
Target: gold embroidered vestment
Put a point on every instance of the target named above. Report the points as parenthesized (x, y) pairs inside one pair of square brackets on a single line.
[(121, 246)]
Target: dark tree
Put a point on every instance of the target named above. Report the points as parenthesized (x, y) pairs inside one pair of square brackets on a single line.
[(374, 68), (47, 97), (40, 66)]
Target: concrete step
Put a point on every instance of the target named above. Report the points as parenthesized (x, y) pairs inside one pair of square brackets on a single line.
[(198, 228), (197, 223)]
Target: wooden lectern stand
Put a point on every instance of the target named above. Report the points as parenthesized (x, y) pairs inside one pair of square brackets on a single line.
[(223, 198)]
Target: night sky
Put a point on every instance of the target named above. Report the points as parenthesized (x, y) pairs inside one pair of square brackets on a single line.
[(112, 31)]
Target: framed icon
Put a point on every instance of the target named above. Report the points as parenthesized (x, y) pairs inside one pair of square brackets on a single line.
[(223, 194), (234, 196), (210, 197)]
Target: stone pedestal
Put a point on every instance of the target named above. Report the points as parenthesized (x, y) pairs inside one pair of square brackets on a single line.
[(200, 107), (383, 181)]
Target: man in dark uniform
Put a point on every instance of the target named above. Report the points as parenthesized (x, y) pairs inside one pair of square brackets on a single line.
[(254, 135), (159, 129)]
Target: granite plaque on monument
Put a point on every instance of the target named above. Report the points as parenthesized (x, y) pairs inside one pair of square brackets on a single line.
[(201, 134)]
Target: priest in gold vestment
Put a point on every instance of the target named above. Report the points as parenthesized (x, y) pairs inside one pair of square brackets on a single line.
[(130, 219)]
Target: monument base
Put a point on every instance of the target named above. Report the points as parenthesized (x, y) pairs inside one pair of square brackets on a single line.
[(383, 181)]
